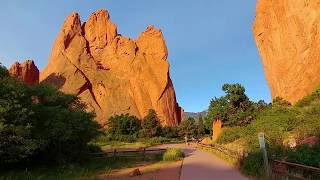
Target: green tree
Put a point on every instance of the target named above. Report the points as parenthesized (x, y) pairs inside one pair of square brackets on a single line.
[(3, 71), (218, 109), (234, 108), (151, 126), (170, 132), (188, 128), (61, 124), (16, 141), (124, 124), (201, 128), (236, 97), (41, 123)]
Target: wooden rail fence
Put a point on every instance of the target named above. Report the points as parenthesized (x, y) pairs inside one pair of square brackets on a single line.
[(118, 153), (224, 150), (293, 170)]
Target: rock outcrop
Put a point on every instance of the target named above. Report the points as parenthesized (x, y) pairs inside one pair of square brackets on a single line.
[(287, 35), (26, 72), (111, 73)]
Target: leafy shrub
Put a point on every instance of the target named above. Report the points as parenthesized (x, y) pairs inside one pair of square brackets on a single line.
[(275, 123), (173, 154), (229, 135), (305, 155), (252, 165), (280, 102), (308, 122), (313, 98)]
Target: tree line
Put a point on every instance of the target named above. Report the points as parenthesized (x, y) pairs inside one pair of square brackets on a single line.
[(129, 128)]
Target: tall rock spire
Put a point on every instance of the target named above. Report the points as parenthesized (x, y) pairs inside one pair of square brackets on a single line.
[(113, 74)]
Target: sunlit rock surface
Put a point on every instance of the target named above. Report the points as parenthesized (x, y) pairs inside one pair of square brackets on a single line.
[(287, 34), (111, 73)]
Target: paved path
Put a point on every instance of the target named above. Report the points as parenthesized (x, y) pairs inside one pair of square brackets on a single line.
[(199, 165)]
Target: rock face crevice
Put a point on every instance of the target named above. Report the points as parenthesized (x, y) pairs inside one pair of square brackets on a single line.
[(287, 34), (113, 74)]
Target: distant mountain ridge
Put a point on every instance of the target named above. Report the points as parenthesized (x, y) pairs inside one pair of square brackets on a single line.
[(195, 115)]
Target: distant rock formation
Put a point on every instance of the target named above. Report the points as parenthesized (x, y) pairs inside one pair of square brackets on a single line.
[(287, 34), (26, 72), (111, 73)]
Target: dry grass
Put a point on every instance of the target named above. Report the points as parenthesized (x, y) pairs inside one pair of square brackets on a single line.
[(229, 159)]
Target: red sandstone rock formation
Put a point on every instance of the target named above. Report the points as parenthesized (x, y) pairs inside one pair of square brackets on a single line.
[(26, 72), (111, 73), (287, 34), (216, 129)]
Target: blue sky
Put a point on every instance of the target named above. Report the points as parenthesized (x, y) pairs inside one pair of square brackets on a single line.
[(210, 42)]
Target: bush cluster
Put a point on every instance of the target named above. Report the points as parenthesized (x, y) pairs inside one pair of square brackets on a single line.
[(173, 154)]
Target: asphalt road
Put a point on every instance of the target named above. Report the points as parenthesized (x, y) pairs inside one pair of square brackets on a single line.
[(199, 165)]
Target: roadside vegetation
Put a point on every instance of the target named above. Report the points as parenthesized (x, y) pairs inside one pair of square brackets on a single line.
[(173, 154), (285, 126)]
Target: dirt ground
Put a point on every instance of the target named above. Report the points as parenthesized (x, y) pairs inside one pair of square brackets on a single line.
[(157, 171)]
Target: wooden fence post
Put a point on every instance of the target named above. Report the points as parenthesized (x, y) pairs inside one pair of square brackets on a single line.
[(114, 153), (262, 144)]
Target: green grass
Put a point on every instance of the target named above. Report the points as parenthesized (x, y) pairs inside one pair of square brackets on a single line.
[(88, 170), (140, 143), (173, 154), (117, 144)]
